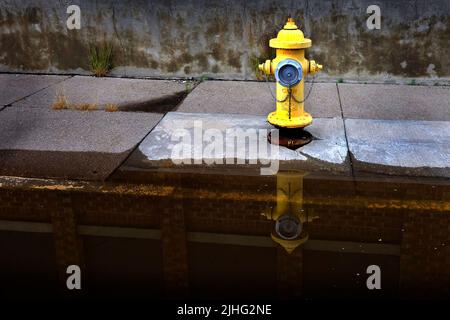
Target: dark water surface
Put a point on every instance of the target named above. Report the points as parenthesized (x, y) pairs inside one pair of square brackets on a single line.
[(214, 236)]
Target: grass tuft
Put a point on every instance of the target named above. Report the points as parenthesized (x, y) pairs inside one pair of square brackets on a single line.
[(85, 107), (61, 101), (203, 78), (254, 63), (187, 87), (100, 59), (110, 107)]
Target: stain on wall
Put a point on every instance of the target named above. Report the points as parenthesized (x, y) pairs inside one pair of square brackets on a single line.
[(226, 38)]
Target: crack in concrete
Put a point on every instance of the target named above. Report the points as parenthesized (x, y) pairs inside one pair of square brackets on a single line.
[(35, 92), (345, 132)]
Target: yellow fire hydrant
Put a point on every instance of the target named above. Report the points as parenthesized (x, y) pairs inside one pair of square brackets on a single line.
[(290, 68)]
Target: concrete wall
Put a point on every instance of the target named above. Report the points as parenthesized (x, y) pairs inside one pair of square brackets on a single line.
[(225, 38)]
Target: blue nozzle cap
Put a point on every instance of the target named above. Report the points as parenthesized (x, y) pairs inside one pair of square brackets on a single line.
[(289, 72)]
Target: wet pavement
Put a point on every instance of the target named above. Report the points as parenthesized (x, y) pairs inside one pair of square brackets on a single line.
[(180, 141)]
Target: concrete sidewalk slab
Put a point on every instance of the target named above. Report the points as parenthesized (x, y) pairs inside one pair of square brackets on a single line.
[(162, 147), (246, 97), (411, 148), (126, 94), (17, 86), (395, 102), (68, 144)]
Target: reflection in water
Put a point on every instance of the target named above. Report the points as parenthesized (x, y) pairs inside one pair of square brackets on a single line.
[(291, 220), (207, 235)]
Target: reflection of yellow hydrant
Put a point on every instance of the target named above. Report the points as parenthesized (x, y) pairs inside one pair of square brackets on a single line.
[(290, 218), (290, 68)]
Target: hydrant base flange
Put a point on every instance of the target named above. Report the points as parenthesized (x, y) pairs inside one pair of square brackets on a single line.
[(291, 138), (294, 122)]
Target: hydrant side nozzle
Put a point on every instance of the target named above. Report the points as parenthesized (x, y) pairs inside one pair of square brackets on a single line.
[(314, 67), (266, 67), (261, 67)]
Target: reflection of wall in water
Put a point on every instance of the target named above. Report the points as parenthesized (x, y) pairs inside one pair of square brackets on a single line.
[(228, 211)]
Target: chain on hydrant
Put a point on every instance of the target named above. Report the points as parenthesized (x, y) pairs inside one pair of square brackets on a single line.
[(290, 68)]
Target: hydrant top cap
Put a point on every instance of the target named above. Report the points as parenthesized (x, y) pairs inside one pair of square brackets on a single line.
[(290, 37)]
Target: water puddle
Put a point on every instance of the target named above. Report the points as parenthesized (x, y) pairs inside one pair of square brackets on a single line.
[(296, 234)]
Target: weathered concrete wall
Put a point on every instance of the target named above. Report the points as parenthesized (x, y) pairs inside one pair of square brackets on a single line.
[(224, 38)]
